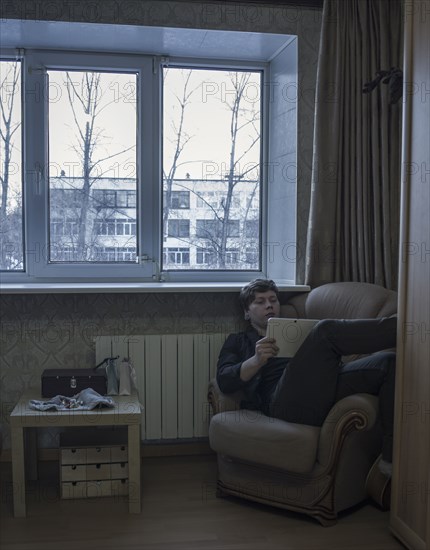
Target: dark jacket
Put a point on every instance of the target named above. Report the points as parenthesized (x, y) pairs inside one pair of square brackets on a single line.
[(257, 391)]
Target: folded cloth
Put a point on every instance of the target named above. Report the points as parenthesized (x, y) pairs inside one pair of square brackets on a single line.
[(85, 400)]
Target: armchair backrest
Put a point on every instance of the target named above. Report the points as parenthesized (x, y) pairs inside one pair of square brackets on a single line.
[(346, 300)]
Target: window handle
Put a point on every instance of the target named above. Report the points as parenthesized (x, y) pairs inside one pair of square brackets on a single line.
[(38, 182), (156, 272)]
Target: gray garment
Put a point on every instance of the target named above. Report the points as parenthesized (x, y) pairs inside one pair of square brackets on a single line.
[(83, 401)]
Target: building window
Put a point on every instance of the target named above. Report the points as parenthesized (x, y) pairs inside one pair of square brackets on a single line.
[(119, 226), (213, 229), (232, 256), (179, 228), (251, 229), (65, 227), (179, 200), (215, 200), (207, 229), (250, 255), (176, 256), (104, 198), (205, 256), (115, 254)]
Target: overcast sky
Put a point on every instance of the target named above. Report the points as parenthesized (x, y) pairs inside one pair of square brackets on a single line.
[(207, 122)]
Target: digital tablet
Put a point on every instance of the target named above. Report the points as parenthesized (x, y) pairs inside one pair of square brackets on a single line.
[(289, 333)]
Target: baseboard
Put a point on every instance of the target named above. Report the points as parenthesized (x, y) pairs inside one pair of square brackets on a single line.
[(148, 449), (175, 448), (405, 534)]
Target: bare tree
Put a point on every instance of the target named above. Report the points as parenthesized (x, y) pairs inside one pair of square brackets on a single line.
[(87, 104), (244, 120), (10, 214), (241, 119), (8, 127), (180, 140)]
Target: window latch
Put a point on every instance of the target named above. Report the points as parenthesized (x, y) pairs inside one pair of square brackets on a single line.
[(156, 272), (37, 181)]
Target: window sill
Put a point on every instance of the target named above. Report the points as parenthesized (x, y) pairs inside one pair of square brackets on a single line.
[(81, 288)]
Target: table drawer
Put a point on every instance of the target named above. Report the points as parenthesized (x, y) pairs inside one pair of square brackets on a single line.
[(74, 472), (119, 470), (74, 455), (94, 471), (119, 453), (98, 472), (98, 455)]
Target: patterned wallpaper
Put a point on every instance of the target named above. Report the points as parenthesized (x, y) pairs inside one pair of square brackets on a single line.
[(56, 330), (40, 331)]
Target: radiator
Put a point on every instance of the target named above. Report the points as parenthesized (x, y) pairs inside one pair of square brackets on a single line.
[(173, 371)]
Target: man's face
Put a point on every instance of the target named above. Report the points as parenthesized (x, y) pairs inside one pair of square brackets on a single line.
[(264, 306)]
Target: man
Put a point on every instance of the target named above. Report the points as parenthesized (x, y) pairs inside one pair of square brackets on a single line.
[(303, 388)]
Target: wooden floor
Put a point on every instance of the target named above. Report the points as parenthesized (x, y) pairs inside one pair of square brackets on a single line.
[(180, 512)]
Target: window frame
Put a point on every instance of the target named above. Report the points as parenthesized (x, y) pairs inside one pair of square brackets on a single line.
[(37, 62)]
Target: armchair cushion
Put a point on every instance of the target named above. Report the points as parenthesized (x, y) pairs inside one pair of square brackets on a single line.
[(343, 301), (253, 437)]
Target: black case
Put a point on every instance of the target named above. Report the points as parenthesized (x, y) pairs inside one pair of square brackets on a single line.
[(69, 382)]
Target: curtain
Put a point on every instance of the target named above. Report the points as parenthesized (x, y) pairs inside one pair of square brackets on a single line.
[(353, 232)]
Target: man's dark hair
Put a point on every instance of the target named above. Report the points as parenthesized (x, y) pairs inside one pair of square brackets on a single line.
[(247, 294)]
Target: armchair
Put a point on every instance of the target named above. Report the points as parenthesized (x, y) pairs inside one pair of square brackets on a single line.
[(318, 471)]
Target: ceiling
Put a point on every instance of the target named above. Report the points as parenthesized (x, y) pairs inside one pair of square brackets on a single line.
[(166, 41)]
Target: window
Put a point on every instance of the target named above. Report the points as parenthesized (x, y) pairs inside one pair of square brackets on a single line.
[(157, 165), (176, 256), (216, 115), (105, 197), (92, 130), (213, 229), (205, 256), (179, 228), (115, 254), (180, 199), (251, 229), (250, 255), (65, 227), (232, 256), (214, 200), (118, 226)]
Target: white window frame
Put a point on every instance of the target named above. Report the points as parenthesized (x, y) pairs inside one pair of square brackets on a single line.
[(149, 162), (36, 63)]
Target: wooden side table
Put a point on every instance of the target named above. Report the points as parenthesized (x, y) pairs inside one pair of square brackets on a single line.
[(127, 412)]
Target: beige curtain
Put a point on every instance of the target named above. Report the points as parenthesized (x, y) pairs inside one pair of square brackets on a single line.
[(354, 213)]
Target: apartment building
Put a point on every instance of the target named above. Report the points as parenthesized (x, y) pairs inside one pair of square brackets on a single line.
[(201, 231)]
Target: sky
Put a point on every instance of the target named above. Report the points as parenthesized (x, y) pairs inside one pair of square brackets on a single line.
[(206, 121)]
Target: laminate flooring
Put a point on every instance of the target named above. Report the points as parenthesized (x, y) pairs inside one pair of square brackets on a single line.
[(180, 511)]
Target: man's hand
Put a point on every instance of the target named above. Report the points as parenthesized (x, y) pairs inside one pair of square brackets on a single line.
[(265, 349)]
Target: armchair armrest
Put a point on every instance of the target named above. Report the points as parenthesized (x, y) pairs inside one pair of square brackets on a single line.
[(221, 402), (353, 413)]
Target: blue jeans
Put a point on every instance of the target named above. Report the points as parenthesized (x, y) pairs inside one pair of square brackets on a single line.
[(315, 378)]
